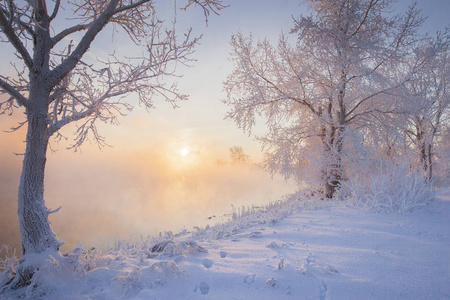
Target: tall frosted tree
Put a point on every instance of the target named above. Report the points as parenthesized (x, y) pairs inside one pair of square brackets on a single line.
[(330, 80), (428, 100), (56, 83)]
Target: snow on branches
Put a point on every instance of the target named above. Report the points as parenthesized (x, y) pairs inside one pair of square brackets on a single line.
[(312, 93)]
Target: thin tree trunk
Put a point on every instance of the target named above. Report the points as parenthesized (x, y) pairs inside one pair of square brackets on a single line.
[(423, 156), (328, 172), (430, 163)]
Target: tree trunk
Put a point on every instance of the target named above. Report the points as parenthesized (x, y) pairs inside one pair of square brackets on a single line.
[(334, 171), (332, 168), (330, 188), (430, 163), (423, 156), (37, 235)]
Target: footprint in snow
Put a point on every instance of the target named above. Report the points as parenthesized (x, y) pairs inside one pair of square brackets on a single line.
[(249, 279), (287, 290), (272, 245), (323, 291), (223, 254), (271, 281), (310, 258), (317, 269), (203, 287), (207, 263), (255, 234)]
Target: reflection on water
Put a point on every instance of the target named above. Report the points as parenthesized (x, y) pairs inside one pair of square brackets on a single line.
[(144, 194)]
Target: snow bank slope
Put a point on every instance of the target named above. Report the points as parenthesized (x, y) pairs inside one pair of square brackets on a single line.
[(335, 252), (331, 253)]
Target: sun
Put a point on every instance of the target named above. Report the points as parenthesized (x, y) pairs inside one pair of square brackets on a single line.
[(184, 151)]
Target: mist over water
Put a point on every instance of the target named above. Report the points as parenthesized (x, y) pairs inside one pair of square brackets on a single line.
[(106, 197)]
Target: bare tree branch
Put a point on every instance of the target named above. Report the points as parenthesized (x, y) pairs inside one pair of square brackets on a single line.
[(55, 9), (14, 93), (71, 61), (208, 6), (68, 31), (8, 30)]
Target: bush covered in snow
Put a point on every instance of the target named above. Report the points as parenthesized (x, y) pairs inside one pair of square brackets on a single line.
[(7, 265), (389, 186)]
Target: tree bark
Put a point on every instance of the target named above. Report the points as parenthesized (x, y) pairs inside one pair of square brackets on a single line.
[(429, 158), (333, 171), (37, 235), (336, 166), (332, 168)]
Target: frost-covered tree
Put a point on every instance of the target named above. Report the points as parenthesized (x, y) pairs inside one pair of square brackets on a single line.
[(428, 100), (56, 83), (442, 158), (313, 91), (238, 155)]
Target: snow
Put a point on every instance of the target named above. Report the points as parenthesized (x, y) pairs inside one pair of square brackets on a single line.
[(307, 249)]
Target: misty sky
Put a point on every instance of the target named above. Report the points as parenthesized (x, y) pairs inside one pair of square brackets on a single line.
[(142, 184)]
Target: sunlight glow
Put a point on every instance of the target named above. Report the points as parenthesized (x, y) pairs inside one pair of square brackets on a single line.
[(184, 151)]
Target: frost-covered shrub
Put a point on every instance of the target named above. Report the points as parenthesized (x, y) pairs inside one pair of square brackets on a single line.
[(83, 259), (171, 248), (243, 211), (133, 279), (167, 269), (390, 186), (130, 281), (7, 265)]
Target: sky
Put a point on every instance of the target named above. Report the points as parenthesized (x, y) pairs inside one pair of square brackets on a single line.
[(143, 184)]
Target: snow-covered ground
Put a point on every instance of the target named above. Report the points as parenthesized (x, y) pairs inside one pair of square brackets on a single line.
[(307, 250)]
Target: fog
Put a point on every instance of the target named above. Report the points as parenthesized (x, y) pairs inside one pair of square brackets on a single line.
[(126, 193)]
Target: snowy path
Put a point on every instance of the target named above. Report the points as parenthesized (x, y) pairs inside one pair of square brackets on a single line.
[(331, 253)]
